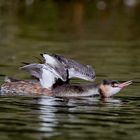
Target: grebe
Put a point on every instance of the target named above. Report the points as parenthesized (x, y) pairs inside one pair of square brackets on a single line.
[(54, 75)]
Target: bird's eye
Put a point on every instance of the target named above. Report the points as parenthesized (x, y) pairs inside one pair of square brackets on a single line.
[(114, 85)]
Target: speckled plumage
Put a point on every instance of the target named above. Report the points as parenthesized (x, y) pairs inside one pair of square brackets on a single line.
[(23, 88)]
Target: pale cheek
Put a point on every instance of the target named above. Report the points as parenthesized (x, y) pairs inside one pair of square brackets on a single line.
[(114, 90)]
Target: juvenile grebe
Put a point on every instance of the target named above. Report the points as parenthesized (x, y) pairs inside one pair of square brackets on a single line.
[(54, 77), (70, 67)]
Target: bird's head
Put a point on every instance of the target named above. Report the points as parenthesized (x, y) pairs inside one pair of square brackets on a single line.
[(110, 87)]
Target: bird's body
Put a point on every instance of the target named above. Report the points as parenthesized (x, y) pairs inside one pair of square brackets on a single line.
[(24, 87)]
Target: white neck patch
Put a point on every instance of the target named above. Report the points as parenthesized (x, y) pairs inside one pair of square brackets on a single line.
[(113, 90)]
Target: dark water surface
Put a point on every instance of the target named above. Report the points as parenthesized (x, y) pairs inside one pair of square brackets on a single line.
[(108, 39), (56, 118)]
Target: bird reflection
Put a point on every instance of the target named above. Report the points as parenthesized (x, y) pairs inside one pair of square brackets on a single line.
[(47, 116), (56, 112)]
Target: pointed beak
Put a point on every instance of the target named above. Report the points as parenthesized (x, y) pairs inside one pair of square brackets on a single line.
[(125, 84)]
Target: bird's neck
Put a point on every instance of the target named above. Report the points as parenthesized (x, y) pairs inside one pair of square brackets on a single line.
[(78, 90)]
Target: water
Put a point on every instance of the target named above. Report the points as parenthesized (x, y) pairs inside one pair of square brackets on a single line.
[(57, 118), (107, 39)]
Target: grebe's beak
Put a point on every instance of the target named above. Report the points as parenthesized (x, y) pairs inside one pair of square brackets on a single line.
[(123, 85)]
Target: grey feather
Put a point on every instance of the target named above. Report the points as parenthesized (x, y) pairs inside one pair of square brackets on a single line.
[(34, 69), (76, 69)]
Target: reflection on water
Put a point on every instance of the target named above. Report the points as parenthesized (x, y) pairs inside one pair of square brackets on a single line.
[(104, 34), (80, 118)]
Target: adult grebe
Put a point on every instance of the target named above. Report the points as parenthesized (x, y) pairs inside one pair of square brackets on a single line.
[(54, 75)]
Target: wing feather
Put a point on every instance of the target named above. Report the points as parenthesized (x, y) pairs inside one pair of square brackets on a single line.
[(76, 69)]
